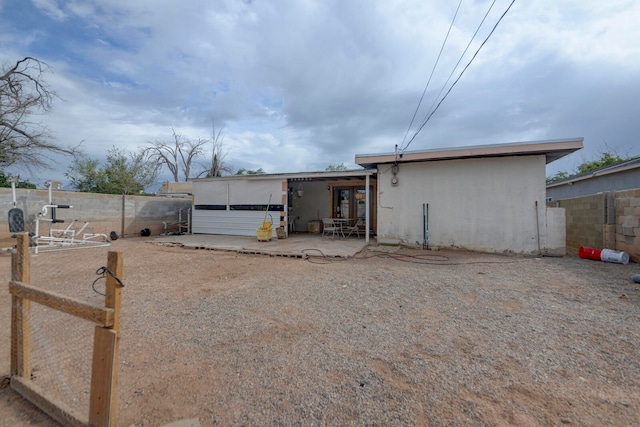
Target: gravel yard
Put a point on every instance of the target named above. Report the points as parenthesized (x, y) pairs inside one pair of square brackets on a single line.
[(408, 337)]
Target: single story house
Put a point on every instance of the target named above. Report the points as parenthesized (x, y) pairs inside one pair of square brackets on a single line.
[(487, 198)]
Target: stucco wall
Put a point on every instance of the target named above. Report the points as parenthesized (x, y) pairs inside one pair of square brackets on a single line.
[(312, 206), (103, 211), (479, 204), (556, 232)]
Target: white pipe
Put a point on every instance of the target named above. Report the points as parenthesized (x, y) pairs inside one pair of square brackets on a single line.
[(13, 192), (538, 228), (366, 215), (48, 185)]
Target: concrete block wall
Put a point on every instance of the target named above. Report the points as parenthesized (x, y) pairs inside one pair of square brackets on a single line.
[(606, 220), (627, 227), (585, 219), (104, 212)]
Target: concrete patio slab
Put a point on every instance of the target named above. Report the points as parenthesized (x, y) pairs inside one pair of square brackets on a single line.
[(298, 245)]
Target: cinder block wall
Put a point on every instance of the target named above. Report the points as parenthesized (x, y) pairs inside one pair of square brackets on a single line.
[(606, 220), (104, 212), (585, 218), (627, 230)]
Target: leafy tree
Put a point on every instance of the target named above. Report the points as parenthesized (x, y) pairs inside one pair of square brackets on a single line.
[(23, 93), (86, 175), (129, 174), (5, 182), (124, 173), (557, 177), (243, 171), (606, 159), (340, 167)]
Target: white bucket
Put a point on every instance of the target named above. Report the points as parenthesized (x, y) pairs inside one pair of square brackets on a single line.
[(609, 255)]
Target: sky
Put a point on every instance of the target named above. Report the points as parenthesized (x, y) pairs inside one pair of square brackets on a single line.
[(297, 85)]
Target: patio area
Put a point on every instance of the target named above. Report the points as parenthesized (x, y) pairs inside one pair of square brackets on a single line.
[(297, 245)]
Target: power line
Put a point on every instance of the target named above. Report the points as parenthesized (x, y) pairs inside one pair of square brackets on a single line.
[(461, 56), (460, 76), (432, 71)]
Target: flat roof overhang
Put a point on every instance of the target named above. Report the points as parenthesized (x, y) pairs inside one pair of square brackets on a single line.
[(551, 149), (348, 175)]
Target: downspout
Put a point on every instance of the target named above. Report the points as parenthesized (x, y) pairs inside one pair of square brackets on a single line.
[(425, 226), (123, 207)]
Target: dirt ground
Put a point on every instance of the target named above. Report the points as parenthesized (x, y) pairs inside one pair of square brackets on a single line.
[(391, 337)]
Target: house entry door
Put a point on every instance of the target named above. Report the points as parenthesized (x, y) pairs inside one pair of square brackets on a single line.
[(342, 207), (349, 201)]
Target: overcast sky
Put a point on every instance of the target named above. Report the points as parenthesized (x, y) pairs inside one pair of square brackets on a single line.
[(297, 85)]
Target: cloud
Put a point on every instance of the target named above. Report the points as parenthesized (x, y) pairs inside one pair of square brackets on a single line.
[(299, 85), (51, 9)]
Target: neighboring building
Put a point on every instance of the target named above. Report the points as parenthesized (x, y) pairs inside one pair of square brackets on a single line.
[(485, 198), (602, 208), (623, 176), (176, 188)]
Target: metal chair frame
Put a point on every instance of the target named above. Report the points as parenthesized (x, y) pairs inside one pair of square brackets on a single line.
[(330, 226), (356, 227)]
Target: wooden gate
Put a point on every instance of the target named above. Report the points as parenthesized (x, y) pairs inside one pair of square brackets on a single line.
[(104, 370)]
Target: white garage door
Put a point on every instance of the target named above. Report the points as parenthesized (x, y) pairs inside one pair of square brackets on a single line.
[(237, 206)]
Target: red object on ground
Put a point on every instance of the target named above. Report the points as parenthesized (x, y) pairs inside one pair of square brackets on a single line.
[(589, 253)]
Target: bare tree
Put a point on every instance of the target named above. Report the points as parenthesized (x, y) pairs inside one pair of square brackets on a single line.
[(218, 166), (177, 155), (23, 93)]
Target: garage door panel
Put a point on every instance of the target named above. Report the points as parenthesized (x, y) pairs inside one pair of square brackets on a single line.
[(238, 223)]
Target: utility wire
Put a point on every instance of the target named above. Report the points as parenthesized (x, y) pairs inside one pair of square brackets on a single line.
[(461, 56), (431, 75), (458, 79)]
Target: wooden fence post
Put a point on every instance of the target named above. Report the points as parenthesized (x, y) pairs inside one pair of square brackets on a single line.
[(20, 311), (103, 404)]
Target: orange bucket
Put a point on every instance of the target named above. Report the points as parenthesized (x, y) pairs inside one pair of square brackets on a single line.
[(589, 253)]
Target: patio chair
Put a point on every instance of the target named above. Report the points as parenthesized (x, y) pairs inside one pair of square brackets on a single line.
[(355, 228), (330, 227)]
